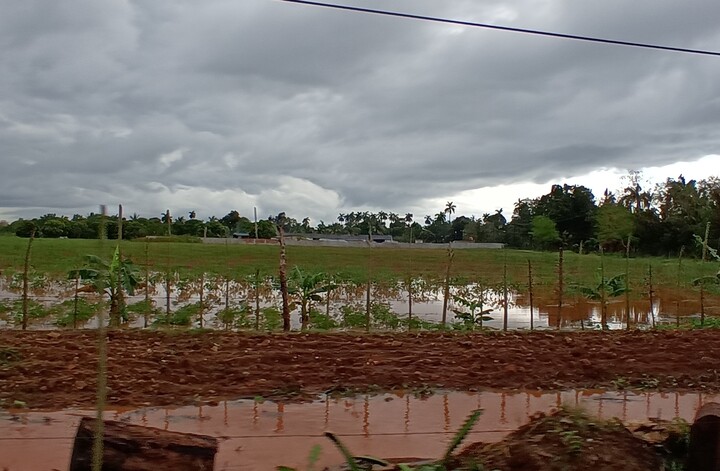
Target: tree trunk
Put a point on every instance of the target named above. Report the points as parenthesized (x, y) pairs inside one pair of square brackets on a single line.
[(303, 314), (132, 447)]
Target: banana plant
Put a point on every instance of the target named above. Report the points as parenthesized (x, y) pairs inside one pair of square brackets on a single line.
[(613, 287), (307, 287), (109, 278)]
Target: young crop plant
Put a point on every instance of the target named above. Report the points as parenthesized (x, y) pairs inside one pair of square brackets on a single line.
[(110, 278), (604, 289), (306, 288), (473, 301)]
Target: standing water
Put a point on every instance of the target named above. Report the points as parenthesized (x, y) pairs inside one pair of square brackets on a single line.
[(259, 435)]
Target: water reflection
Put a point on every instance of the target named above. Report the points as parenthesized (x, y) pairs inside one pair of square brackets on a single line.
[(261, 435), (425, 301)]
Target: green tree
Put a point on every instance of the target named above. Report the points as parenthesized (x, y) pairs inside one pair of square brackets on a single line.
[(544, 232), (450, 210), (615, 224), (572, 208)]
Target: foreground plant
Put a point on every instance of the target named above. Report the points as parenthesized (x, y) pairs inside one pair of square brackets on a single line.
[(366, 463)]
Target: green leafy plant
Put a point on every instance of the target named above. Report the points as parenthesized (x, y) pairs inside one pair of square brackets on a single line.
[(473, 312), (70, 312), (307, 287), (111, 278)]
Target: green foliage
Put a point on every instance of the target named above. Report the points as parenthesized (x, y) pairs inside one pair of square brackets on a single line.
[(106, 276), (710, 323), (462, 434), (352, 316), (36, 281), (65, 312), (615, 224), (473, 300), (383, 317), (321, 321), (183, 316), (12, 310), (271, 317), (544, 232), (236, 316), (615, 286), (306, 287)]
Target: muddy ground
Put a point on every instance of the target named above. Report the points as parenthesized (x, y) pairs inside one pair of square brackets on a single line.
[(59, 369)]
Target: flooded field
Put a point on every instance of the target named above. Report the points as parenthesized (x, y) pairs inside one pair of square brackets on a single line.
[(229, 304), (389, 425)]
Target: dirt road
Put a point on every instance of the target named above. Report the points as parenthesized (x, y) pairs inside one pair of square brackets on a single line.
[(58, 369)]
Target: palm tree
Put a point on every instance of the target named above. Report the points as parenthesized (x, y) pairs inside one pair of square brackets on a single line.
[(634, 198), (409, 222), (450, 210)]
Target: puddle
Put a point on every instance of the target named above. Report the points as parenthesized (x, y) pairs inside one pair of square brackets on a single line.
[(260, 436)]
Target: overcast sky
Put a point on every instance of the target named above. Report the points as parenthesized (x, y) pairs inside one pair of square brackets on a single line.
[(217, 105)]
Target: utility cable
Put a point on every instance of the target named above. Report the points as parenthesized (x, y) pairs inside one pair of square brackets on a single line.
[(292, 435), (614, 42)]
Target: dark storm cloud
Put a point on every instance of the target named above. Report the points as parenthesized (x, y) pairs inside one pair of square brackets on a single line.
[(224, 105)]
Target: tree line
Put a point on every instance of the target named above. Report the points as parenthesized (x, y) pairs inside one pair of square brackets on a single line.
[(656, 220)]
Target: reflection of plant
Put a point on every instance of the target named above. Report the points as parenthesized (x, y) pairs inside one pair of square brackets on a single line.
[(111, 278)]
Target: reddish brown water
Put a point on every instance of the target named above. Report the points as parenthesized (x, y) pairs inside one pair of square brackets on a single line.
[(260, 436)]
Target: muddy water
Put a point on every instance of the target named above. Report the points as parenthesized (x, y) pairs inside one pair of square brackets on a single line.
[(262, 435), (577, 312)]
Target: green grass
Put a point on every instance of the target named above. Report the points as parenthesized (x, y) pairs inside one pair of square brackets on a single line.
[(57, 256)]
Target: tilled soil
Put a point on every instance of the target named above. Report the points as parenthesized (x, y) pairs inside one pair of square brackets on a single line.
[(59, 369)]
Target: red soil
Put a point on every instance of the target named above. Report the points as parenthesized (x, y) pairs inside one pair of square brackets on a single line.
[(58, 369)]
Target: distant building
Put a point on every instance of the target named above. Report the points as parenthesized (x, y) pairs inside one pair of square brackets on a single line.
[(240, 235), (377, 238)]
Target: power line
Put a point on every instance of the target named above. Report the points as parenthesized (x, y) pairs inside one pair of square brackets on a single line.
[(614, 42), (295, 435)]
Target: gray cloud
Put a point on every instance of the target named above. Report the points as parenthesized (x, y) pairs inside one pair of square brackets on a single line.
[(224, 105)]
